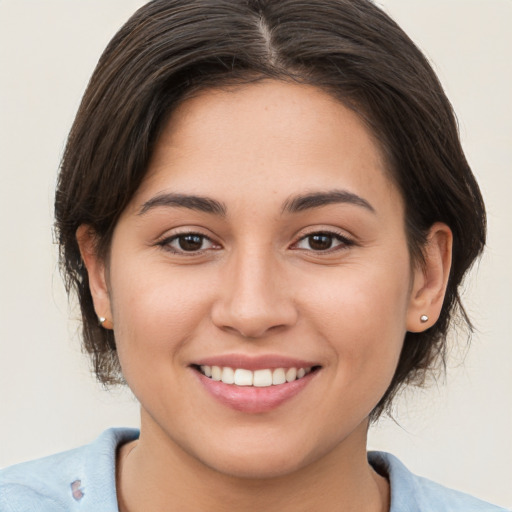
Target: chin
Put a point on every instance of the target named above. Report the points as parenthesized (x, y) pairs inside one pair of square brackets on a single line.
[(260, 466), (261, 458)]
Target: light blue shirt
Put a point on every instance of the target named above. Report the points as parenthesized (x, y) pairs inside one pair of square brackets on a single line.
[(84, 480)]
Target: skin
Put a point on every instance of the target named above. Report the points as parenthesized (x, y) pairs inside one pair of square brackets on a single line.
[(258, 285)]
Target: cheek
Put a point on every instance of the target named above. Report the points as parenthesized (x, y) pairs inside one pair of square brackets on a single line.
[(361, 313), (156, 312)]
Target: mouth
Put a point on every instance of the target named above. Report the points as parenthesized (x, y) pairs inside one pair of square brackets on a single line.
[(261, 378), (258, 390)]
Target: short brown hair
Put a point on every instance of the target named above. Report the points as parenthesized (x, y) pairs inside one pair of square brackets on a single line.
[(350, 48)]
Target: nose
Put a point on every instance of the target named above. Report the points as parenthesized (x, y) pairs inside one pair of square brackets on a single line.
[(255, 297)]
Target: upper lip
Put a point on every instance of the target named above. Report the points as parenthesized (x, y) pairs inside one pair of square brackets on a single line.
[(262, 362)]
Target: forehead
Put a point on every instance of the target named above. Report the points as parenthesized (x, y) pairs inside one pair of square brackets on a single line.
[(286, 137)]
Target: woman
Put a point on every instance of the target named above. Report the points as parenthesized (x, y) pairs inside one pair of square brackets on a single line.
[(266, 214)]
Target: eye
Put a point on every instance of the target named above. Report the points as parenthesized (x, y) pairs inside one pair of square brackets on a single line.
[(323, 242), (188, 243)]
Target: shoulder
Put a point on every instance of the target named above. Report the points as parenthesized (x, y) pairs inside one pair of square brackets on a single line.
[(83, 477), (411, 492)]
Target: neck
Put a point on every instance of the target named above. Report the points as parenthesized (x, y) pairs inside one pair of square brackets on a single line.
[(156, 474)]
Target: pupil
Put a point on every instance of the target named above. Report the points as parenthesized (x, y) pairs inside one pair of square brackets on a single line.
[(320, 242), (190, 242)]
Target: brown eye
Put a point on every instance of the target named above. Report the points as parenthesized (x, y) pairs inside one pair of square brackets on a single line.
[(323, 242), (190, 242), (320, 242)]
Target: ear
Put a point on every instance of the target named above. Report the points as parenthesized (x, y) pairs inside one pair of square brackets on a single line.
[(87, 242), (430, 279)]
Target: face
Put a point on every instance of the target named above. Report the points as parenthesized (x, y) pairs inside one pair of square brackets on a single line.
[(266, 242)]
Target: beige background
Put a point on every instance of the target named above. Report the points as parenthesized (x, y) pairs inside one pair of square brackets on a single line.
[(459, 433)]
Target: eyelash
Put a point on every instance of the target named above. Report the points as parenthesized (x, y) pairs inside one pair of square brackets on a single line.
[(166, 243), (344, 242)]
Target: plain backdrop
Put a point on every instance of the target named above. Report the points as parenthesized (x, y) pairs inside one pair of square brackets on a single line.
[(458, 432)]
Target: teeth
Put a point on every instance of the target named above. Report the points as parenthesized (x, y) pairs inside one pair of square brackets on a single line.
[(207, 370), (216, 373), (243, 377), (228, 375), (278, 376), (291, 374), (262, 378), (258, 378)]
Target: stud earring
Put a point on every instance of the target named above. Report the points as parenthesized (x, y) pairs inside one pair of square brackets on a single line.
[(106, 324), (423, 318)]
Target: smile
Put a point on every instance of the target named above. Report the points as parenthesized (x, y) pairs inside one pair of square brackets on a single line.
[(258, 378), (269, 383)]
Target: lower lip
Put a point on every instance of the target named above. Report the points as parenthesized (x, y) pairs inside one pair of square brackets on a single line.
[(252, 399)]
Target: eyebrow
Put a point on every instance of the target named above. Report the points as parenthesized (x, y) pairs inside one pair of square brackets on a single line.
[(292, 205), (319, 199), (199, 203)]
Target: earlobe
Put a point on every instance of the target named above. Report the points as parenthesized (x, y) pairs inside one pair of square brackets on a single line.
[(86, 238), (430, 279)]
